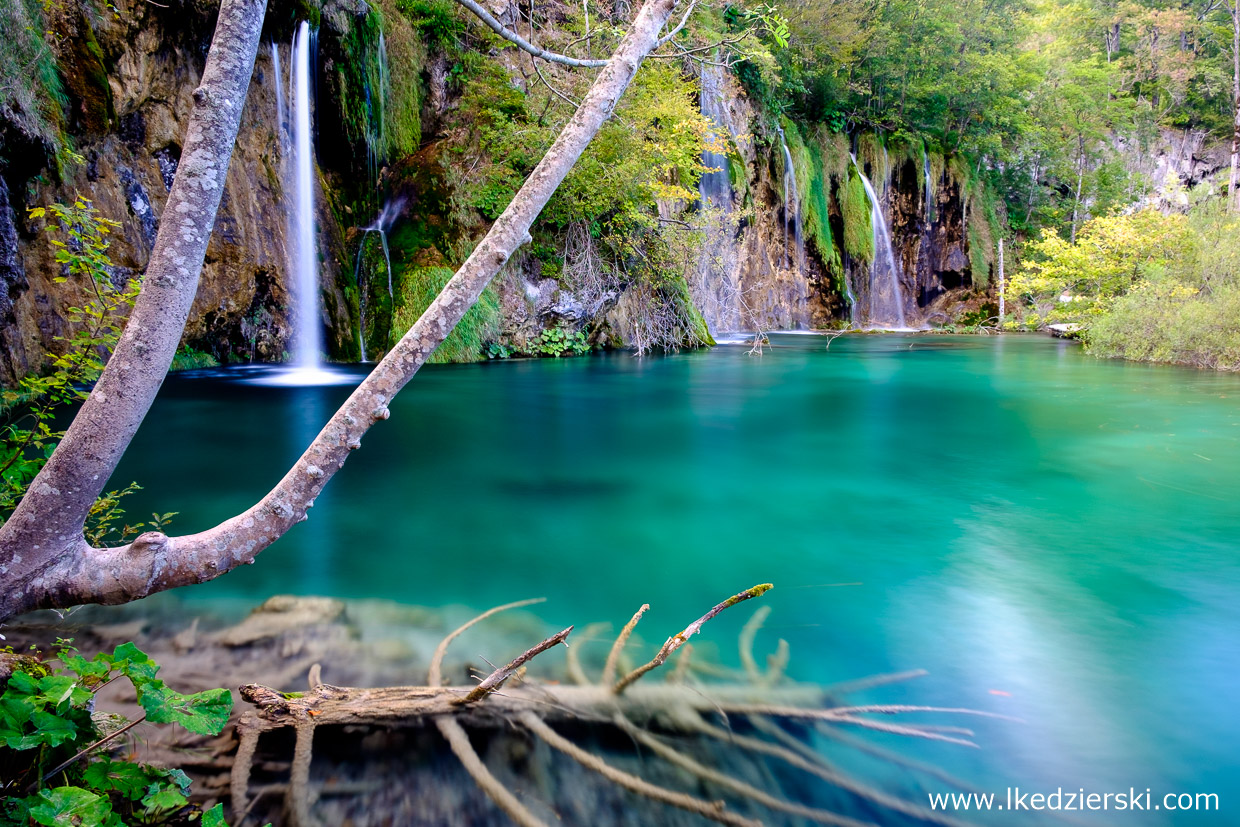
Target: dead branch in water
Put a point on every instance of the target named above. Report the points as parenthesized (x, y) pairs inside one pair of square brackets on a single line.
[(680, 706)]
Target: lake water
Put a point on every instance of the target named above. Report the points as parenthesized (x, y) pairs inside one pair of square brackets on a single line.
[(1053, 537)]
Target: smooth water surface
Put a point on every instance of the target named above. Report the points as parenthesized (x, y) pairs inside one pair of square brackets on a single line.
[(1052, 536)]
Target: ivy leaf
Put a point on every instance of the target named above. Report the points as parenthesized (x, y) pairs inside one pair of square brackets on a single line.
[(69, 807), (133, 663), (203, 713), (162, 797), (36, 212), (52, 730), (214, 817), (80, 666), (55, 690), (130, 780)]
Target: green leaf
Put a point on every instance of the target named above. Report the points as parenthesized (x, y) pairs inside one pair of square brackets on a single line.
[(163, 797), (130, 780), (52, 729), (69, 807), (133, 663), (214, 817), (204, 713)]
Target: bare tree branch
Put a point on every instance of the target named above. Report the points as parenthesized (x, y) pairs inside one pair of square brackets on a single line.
[(434, 675), (675, 642), (714, 810), (497, 678), (501, 795)]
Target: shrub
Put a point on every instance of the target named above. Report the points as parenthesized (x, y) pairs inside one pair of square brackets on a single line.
[(50, 733)]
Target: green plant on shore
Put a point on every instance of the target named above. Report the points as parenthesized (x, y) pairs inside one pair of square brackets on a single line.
[(31, 413), (559, 341), (56, 749)]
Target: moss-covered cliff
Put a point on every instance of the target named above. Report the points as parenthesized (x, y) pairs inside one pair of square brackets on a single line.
[(421, 110)]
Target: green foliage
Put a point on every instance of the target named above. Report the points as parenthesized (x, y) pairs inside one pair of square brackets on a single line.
[(418, 287), (559, 341), (858, 224), (29, 414), (1167, 287), (32, 96), (438, 21), (1060, 282), (48, 732), (1163, 322), (188, 358)]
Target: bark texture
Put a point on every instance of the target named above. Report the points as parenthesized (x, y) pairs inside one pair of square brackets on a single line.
[(47, 563)]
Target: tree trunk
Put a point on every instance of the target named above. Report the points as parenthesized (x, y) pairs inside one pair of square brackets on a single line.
[(49, 562), (42, 540)]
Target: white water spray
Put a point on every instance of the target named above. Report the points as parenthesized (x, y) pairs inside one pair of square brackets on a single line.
[(885, 296), (792, 210), (307, 333), (382, 223), (928, 195)]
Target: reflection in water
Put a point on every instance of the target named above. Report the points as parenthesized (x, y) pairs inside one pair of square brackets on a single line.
[(1051, 536)]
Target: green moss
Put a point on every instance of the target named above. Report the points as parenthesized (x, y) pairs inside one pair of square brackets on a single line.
[(37, 104), (814, 181), (984, 230), (402, 104), (699, 331), (858, 225), (418, 287), (870, 153)]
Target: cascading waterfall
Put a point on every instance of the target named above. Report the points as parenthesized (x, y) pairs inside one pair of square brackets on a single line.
[(281, 114), (928, 194), (715, 187), (380, 226), (307, 335), (792, 210), (885, 296), (716, 284)]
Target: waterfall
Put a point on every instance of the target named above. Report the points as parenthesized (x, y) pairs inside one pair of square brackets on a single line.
[(885, 296), (928, 196), (281, 114), (380, 226), (307, 333), (714, 187), (376, 115), (792, 202), (715, 283)]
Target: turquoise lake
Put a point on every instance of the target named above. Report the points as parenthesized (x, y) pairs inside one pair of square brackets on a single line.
[(1053, 537)]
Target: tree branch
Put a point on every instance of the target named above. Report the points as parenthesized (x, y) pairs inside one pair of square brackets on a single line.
[(77, 573), (516, 39)]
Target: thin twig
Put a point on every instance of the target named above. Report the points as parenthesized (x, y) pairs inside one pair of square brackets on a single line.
[(85, 751), (497, 678), (683, 761), (748, 632), (435, 674), (713, 810), (675, 642), (613, 657), (501, 795), (819, 767), (849, 687)]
